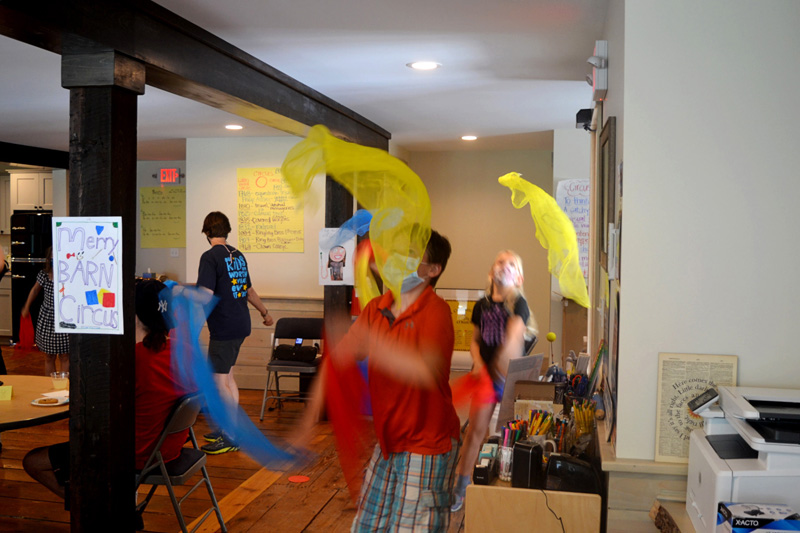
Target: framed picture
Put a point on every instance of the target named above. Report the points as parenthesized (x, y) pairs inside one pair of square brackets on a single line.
[(606, 190)]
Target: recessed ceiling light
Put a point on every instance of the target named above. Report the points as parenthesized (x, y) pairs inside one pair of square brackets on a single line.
[(233, 127), (424, 65), (469, 138)]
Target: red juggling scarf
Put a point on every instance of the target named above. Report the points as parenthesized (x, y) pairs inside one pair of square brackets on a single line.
[(472, 389), (26, 338), (345, 391)]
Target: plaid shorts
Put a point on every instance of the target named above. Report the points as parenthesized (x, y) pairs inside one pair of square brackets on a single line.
[(407, 492)]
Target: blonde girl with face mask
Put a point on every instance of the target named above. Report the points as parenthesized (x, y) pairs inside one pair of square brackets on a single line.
[(502, 324)]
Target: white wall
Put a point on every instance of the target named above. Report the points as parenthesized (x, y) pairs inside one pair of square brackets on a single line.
[(211, 186), (475, 213), (615, 35), (60, 192), (710, 218), (570, 154), (571, 160)]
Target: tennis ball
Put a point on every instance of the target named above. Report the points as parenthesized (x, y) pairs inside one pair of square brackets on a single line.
[(551, 336)]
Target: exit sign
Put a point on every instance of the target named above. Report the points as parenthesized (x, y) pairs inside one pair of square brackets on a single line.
[(169, 175)]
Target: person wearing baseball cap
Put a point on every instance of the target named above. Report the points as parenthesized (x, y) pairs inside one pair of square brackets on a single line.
[(156, 393)]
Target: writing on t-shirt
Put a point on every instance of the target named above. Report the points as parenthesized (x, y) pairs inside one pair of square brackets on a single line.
[(237, 271), (493, 325)]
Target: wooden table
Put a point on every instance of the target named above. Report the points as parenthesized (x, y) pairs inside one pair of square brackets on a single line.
[(19, 413), (502, 508)]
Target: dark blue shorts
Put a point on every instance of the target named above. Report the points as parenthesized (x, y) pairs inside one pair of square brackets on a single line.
[(222, 355)]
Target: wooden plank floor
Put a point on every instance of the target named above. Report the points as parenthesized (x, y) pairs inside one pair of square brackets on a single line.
[(253, 499)]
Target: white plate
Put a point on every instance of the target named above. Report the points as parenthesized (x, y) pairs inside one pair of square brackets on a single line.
[(61, 401)]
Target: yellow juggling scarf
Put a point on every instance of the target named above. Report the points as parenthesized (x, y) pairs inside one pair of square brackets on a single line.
[(401, 210), (555, 233), (366, 285)]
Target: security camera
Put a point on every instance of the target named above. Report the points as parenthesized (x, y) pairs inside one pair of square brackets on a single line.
[(583, 119)]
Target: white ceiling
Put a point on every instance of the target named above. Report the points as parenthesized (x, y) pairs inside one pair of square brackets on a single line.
[(511, 68)]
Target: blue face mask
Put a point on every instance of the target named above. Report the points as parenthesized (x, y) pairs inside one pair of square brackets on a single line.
[(411, 281)]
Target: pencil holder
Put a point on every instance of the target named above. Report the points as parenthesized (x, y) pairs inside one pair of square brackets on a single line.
[(505, 457)]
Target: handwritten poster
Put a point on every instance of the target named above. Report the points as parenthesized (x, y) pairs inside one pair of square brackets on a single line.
[(573, 197), (336, 259), (683, 377), (461, 302), (162, 217), (462, 323), (87, 267), (269, 219)]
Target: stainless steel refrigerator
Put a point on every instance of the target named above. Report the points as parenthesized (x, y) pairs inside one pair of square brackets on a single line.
[(31, 236)]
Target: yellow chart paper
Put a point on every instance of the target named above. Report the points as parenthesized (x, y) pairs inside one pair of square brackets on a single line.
[(462, 323), (163, 217), (269, 219)]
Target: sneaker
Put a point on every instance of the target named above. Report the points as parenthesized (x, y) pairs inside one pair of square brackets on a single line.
[(460, 492), (457, 504), (221, 445), (213, 436)]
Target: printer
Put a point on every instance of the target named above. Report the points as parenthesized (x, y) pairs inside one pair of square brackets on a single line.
[(748, 451)]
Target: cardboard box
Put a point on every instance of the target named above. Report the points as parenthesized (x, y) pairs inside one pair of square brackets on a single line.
[(534, 390), (756, 517), (534, 395)]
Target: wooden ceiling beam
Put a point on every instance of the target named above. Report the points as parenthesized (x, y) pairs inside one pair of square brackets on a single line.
[(184, 59)]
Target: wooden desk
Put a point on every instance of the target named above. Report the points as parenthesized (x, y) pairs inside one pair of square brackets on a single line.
[(501, 508), (19, 413)]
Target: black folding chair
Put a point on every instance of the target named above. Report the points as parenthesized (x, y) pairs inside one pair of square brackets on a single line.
[(294, 329), (178, 471)]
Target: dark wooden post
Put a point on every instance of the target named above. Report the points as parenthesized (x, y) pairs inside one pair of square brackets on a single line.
[(338, 210), (103, 90)]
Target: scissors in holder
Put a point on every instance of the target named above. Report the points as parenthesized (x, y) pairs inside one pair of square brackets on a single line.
[(578, 384)]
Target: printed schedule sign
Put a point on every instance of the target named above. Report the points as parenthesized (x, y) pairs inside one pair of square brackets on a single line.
[(162, 217), (87, 267), (269, 219)]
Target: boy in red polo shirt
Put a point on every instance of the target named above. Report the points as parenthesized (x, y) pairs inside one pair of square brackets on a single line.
[(409, 345)]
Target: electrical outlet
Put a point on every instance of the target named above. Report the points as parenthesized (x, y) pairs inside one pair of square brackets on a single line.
[(173, 252)]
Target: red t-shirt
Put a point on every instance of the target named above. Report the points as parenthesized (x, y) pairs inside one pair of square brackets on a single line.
[(409, 418), (156, 394)]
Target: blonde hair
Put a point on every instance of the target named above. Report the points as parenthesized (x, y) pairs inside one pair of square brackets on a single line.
[(531, 327)]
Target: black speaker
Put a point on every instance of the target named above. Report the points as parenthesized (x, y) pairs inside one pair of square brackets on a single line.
[(526, 468)]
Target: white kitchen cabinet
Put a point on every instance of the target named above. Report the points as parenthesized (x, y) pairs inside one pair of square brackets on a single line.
[(31, 190)]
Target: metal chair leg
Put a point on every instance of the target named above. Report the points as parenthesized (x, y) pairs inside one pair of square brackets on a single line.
[(278, 390), (213, 497), (175, 503), (264, 400)]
